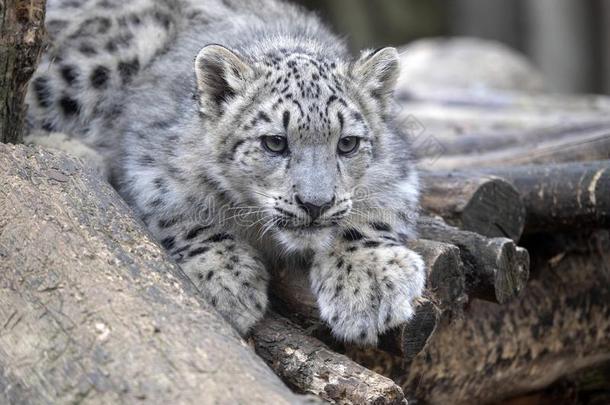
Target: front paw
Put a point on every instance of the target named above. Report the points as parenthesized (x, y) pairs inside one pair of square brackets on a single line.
[(363, 293), (234, 283)]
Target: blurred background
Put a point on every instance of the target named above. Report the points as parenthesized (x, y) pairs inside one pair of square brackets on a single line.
[(567, 40)]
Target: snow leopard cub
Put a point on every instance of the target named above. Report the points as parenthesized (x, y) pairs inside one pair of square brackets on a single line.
[(246, 138)]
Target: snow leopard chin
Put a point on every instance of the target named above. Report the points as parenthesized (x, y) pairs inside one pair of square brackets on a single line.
[(306, 238)]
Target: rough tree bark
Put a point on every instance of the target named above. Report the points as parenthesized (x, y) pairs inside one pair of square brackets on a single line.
[(91, 308), (445, 111), (309, 366), (480, 203), (21, 39)]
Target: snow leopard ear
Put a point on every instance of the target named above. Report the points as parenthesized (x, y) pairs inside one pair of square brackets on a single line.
[(377, 72), (221, 74)]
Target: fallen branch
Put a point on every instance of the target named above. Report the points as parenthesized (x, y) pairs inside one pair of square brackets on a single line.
[(480, 203), (92, 310), (309, 366)]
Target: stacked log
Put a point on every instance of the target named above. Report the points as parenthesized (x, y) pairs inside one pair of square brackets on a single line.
[(93, 310), (561, 325), (558, 164), (460, 263)]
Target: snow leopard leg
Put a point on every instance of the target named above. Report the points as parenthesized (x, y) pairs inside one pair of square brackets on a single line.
[(367, 284), (228, 272)]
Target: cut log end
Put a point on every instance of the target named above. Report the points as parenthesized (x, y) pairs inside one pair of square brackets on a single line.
[(495, 269), (445, 271), (484, 204), (495, 210), (417, 334)]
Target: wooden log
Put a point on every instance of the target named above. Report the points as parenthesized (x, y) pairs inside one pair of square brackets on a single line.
[(498, 109), (466, 141), (414, 338), (21, 40), (92, 310), (484, 204), (495, 269), (293, 298), (562, 196), (445, 274), (560, 325), (587, 148), (309, 366)]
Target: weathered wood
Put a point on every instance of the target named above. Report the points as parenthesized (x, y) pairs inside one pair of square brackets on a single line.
[(466, 141), (484, 204), (21, 39), (414, 339), (91, 310), (445, 284), (309, 366), (446, 107), (495, 269), (562, 196), (560, 325), (586, 148), (445, 272)]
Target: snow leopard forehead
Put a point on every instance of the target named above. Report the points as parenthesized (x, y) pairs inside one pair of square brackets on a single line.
[(310, 94)]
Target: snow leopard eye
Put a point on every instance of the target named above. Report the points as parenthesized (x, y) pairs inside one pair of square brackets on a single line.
[(348, 145), (274, 144)]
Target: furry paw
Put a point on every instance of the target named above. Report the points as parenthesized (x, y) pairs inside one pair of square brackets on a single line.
[(363, 293), (234, 283)]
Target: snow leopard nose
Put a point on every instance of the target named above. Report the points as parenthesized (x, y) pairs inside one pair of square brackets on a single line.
[(314, 210)]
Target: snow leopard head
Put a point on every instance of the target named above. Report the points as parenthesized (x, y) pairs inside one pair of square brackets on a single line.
[(304, 140)]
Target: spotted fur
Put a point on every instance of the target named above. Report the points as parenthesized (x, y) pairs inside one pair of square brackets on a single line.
[(178, 99)]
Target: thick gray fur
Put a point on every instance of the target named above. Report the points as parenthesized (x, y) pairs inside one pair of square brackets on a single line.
[(174, 96)]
